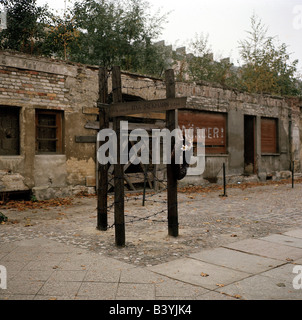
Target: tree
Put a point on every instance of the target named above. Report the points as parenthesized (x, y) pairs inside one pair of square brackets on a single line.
[(25, 26), (118, 32), (203, 67), (267, 67), (62, 36)]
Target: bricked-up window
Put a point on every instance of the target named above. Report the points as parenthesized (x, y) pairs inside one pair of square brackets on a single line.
[(214, 124), (9, 131), (48, 132), (269, 135)]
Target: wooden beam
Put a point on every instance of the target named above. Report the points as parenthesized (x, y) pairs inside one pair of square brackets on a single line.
[(134, 107), (90, 110), (150, 115), (131, 126), (119, 217), (171, 124), (102, 177)]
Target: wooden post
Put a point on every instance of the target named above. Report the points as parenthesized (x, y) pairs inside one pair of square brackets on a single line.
[(171, 124), (102, 177), (119, 218)]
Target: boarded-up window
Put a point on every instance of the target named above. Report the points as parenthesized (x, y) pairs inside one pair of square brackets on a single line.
[(269, 136), (214, 125), (9, 131), (48, 131)]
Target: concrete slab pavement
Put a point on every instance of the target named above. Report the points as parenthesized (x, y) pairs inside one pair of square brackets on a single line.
[(252, 269)]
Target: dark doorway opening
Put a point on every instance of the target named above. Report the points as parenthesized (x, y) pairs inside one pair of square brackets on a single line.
[(249, 145)]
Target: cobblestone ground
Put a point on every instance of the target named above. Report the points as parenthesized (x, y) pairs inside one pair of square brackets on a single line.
[(206, 220)]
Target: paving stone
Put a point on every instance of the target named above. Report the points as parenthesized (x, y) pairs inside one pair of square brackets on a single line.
[(282, 274), (18, 297), (22, 287), (172, 288), (33, 275), (259, 287), (199, 273), (140, 275), (283, 239), (43, 265), (103, 275), (266, 249), (132, 291), (294, 233), (236, 260), (60, 288), (60, 275), (212, 295), (97, 290)]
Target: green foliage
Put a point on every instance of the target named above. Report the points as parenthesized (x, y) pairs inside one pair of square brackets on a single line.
[(267, 67), (62, 36), (99, 32), (25, 26), (203, 67), (118, 33)]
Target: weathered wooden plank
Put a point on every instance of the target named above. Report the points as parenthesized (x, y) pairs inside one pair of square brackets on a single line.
[(150, 115), (171, 122), (134, 107), (131, 126), (119, 217), (102, 177), (90, 110)]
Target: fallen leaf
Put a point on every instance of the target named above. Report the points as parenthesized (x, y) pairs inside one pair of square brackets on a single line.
[(220, 285), (204, 274), (281, 285), (237, 296), (233, 235)]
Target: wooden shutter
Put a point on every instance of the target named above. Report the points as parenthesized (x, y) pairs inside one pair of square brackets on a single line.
[(9, 131), (213, 123), (269, 135)]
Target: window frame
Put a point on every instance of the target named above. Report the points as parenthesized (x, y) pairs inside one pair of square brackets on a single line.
[(58, 127), (16, 111)]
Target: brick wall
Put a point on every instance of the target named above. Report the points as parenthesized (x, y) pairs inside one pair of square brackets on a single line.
[(38, 88)]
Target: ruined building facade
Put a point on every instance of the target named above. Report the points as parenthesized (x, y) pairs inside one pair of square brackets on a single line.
[(49, 120)]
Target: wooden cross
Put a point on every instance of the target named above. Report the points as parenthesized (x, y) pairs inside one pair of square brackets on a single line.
[(116, 111)]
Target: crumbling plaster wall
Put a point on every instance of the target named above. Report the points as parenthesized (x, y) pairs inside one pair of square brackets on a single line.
[(36, 83), (30, 83), (238, 104)]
